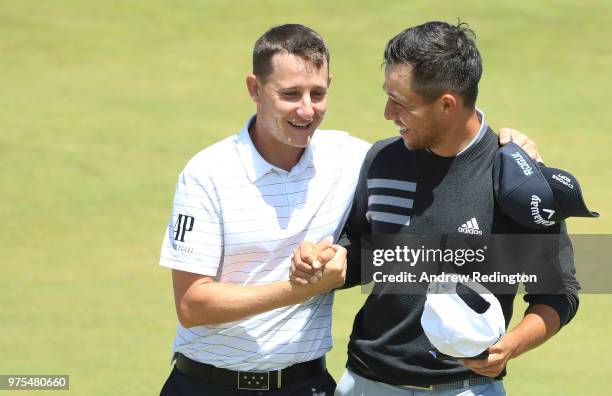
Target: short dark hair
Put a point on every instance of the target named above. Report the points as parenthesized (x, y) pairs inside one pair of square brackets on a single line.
[(293, 39), (442, 57)]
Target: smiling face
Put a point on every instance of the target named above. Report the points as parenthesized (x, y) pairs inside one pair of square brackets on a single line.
[(291, 103), (416, 117)]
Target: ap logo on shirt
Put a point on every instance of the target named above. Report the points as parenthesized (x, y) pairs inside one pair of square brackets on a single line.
[(183, 224)]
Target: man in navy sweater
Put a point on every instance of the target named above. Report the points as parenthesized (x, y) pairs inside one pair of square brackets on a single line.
[(434, 179)]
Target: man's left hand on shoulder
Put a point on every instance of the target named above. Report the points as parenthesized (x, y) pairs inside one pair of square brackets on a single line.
[(507, 135), (494, 364)]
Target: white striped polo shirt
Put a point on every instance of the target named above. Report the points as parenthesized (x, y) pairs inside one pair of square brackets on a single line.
[(238, 218)]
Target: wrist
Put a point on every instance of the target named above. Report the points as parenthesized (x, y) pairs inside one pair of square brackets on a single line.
[(512, 345), (304, 292)]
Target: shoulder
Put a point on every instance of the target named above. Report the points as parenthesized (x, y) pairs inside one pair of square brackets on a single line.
[(206, 162), (339, 148), (391, 144), (329, 138), (200, 178), (381, 144)]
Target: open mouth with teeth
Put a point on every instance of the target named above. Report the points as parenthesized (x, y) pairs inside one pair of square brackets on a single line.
[(299, 125)]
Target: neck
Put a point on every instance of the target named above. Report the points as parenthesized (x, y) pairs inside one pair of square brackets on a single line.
[(459, 134), (273, 150)]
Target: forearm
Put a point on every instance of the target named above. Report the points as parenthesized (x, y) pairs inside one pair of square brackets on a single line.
[(214, 303), (539, 324)]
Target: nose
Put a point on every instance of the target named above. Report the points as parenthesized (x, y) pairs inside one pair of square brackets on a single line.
[(306, 111), (390, 113)]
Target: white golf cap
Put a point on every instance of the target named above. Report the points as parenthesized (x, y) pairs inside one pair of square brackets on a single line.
[(462, 319)]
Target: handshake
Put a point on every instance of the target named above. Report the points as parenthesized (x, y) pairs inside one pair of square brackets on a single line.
[(321, 265)]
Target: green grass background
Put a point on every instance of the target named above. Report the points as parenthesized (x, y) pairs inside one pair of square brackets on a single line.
[(103, 102)]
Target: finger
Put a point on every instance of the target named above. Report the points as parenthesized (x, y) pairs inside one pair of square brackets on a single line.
[(531, 149), (297, 257), (309, 277), (474, 369), (496, 349), (475, 364), (508, 135), (519, 138), (323, 245), (297, 280), (296, 260), (307, 252), (466, 363), (299, 264), (487, 373), (514, 135), (296, 272), (483, 371), (491, 371), (533, 153), (338, 248), (326, 255), (306, 268), (477, 371), (505, 135), (529, 145), (306, 276), (340, 252), (305, 271), (341, 255)]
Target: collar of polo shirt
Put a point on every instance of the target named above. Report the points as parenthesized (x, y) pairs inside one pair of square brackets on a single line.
[(255, 165)]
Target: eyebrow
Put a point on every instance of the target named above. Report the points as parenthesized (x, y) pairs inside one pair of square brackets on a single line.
[(298, 87), (395, 98)]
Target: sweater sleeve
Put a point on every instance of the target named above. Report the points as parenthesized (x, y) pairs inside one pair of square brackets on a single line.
[(564, 297)]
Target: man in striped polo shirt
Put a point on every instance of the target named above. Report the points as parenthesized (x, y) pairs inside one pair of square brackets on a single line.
[(241, 207)]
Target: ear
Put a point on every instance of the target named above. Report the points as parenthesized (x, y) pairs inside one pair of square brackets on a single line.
[(254, 87), (449, 103), (329, 80)]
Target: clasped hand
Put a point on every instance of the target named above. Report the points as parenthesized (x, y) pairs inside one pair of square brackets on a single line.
[(320, 263)]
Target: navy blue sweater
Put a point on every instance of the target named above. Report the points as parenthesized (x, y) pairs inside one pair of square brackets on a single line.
[(387, 343)]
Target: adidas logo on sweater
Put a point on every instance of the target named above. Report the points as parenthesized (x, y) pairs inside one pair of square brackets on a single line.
[(471, 227)]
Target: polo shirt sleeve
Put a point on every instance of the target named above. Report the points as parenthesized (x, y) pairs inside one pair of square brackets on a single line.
[(194, 237)]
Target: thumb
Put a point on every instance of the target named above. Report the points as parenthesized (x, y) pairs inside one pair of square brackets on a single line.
[(324, 244), (497, 347), (339, 250)]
